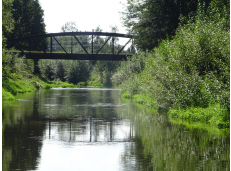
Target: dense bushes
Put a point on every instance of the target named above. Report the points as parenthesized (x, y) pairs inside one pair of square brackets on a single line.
[(191, 70), (11, 63)]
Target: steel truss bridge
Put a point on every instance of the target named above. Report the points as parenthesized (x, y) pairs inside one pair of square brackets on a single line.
[(63, 46)]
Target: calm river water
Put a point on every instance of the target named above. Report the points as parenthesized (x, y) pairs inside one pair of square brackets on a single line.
[(87, 129)]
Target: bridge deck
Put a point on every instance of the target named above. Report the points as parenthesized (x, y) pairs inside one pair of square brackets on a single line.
[(76, 56)]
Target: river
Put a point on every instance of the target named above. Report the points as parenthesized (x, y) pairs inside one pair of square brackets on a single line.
[(93, 129)]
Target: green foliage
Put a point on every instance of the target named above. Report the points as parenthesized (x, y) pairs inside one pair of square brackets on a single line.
[(214, 115), (57, 84), (144, 99), (28, 17), (151, 21), (190, 70), (47, 86), (7, 19), (79, 72), (82, 84), (7, 95), (13, 64), (95, 84), (104, 70), (16, 85), (134, 65), (71, 71), (94, 81), (126, 95), (17, 75)]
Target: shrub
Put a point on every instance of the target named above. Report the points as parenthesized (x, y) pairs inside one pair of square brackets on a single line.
[(7, 95), (191, 70)]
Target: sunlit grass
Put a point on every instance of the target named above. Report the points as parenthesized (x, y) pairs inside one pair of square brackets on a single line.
[(214, 115), (58, 84), (15, 86), (7, 95)]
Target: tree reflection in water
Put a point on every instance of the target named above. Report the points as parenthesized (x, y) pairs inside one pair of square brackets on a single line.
[(68, 120)]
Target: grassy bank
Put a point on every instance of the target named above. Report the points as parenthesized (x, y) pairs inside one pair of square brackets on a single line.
[(188, 74), (15, 83), (58, 84), (18, 77), (12, 86), (211, 119)]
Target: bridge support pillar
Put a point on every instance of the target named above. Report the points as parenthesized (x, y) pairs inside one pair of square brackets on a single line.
[(36, 67)]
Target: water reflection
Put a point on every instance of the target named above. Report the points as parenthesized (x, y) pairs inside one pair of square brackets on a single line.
[(64, 119), (83, 115), (88, 130), (93, 129), (172, 147)]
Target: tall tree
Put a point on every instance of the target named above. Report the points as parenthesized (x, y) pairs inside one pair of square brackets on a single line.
[(7, 19), (28, 16), (150, 21)]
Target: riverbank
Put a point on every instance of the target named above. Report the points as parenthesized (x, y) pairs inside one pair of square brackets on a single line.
[(210, 119), (18, 77), (12, 86), (189, 74), (16, 83)]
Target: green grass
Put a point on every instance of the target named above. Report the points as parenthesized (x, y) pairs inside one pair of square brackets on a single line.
[(57, 84), (15, 85), (126, 95), (95, 84), (7, 95), (82, 84), (213, 118), (213, 115), (141, 99), (144, 99)]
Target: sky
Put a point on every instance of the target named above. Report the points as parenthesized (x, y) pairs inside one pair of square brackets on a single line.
[(88, 14)]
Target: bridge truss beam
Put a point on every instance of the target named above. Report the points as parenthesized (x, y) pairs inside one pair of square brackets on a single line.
[(71, 55)]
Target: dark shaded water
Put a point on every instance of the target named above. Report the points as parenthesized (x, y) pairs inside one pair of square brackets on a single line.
[(93, 129)]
